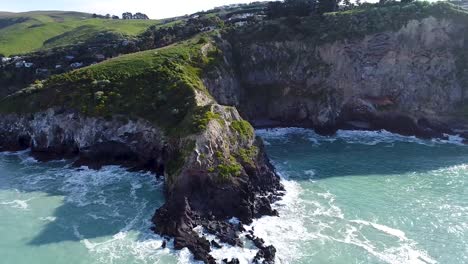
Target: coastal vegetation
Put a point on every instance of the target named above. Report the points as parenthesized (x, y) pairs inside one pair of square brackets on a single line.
[(157, 85), (27, 32), (186, 87)]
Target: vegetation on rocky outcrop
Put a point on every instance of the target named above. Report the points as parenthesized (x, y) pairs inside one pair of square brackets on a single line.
[(157, 85), (397, 66)]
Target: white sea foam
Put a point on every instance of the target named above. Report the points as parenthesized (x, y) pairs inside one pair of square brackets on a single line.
[(352, 137), (29, 160), (287, 231), (48, 218), (313, 221), (17, 204), (234, 221), (243, 254), (86, 186), (318, 221), (388, 230)]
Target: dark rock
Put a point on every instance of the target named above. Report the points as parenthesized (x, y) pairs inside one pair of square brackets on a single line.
[(201, 201), (258, 242), (179, 224), (232, 261), (226, 232), (106, 153), (164, 244), (215, 244), (265, 255), (269, 254), (21, 142)]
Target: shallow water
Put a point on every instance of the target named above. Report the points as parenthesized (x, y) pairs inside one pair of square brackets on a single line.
[(368, 197), (51, 213), (358, 197)]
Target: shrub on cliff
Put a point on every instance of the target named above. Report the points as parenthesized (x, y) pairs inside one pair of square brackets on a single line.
[(244, 128)]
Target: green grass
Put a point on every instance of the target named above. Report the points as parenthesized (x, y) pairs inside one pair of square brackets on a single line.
[(227, 169), (249, 155), (157, 85), (244, 128), (27, 32)]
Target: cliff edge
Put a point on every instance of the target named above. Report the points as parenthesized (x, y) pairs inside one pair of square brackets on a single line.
[(181, 110)]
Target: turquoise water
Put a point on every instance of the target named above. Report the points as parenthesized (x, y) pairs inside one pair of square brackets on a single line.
[(51, 213), (369, 197), (358, 197)]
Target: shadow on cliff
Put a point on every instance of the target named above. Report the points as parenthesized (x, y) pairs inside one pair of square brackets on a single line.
[(308, 160), (89, 209)]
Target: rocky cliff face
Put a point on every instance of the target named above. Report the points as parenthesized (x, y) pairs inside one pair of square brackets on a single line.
[(96, 141), (226, 175), (410, 76), (212, 176), (409, 81)]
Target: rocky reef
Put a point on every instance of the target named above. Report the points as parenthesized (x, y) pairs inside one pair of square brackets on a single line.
[(181, 111)]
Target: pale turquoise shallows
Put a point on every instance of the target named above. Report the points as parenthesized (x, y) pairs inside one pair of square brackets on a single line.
[(358, 197)]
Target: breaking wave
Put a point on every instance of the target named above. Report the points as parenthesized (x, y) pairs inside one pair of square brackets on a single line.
[(351, 137)]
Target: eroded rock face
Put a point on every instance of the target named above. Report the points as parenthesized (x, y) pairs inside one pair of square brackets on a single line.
[(203, 195), (404, 81), (223, 172), (390, 80), (95, 141)]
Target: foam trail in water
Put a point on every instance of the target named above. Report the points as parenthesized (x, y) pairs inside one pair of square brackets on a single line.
[(388, 230), (352, 137), (18, 204), (318, 221)]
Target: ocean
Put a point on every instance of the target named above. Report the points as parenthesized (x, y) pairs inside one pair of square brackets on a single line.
[(357, 197)]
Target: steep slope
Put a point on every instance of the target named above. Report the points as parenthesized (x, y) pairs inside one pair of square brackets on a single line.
[(151, 110), (402, 68), (174, 110), (26, 32)]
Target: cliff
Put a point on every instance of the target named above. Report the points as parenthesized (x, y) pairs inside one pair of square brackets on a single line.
[(410, 80), (151, 111), (179, 110)]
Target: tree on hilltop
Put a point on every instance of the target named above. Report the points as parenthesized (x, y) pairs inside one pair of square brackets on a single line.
[(127, 15), (325, 6), (140, 16)]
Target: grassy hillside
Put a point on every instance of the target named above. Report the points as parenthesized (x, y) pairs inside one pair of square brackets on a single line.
[(158, 85), (31, 31)]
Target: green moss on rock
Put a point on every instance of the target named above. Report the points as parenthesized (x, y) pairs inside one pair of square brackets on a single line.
[(248, 155), (178, 158), (243, 128), (230, 168)]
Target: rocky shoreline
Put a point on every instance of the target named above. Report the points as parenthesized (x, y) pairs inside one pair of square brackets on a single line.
[(405, 81), (397, 123), (198, 202), (198, 199)]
